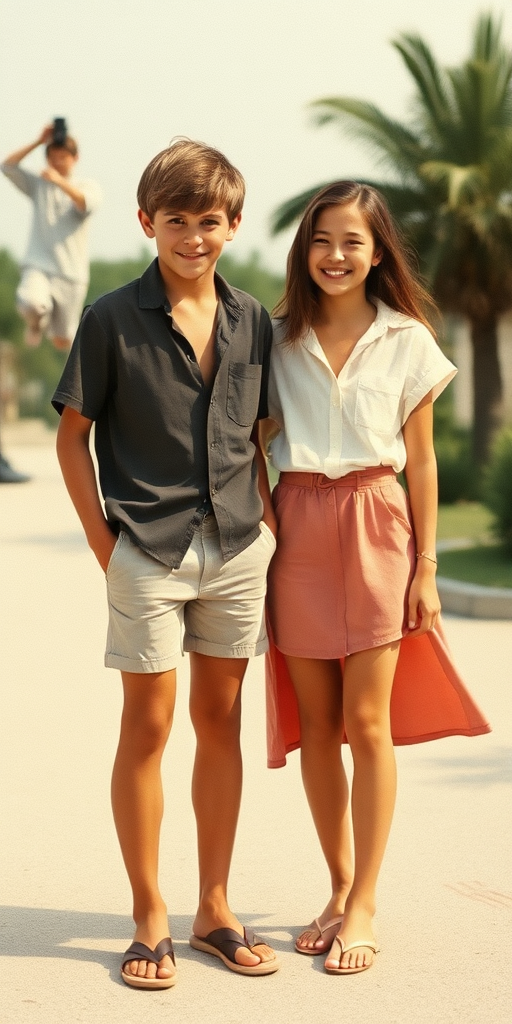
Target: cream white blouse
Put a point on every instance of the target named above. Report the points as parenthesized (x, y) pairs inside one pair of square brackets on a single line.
[(335, 425)]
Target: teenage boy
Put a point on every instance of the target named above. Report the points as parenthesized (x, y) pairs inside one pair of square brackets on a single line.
[(173, 369), (55, 269)]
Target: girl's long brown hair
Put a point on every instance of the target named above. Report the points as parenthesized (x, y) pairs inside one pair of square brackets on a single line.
[(394, 280)]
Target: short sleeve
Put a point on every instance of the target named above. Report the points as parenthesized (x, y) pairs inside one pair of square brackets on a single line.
[(428, 370), (89, 374), (26, 181), (274, 405)]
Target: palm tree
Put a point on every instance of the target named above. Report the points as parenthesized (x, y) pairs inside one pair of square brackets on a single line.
[(451, 191)]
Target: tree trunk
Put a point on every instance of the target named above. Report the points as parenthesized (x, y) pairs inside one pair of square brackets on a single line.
[(487, 388)]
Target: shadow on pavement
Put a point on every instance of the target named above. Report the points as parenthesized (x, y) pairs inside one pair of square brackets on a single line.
[(492, 769), (92, 938)]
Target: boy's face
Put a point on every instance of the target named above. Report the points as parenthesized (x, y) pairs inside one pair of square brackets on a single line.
[(60, 160), (189, 244)]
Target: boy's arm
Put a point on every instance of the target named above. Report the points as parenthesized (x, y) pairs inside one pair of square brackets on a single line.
[(42, 140), (268, 516), (77, 469), (74, 193)]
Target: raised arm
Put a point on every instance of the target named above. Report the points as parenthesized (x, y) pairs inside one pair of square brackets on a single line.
[(43, 139), (77, 467)]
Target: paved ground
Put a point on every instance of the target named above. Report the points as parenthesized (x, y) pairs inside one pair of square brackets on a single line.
[(445, 900)]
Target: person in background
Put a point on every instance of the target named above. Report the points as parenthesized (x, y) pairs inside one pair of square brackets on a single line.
[(55, 268)]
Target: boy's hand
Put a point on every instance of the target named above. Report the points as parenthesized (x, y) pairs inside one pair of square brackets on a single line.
[(270, 520), (50, 174), (103, 551), (46, 135)]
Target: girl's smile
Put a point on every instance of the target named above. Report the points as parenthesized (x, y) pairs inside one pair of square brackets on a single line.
[(342, 250)]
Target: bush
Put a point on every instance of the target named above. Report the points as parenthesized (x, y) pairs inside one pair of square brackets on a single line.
[(456, 478), (497, 494)]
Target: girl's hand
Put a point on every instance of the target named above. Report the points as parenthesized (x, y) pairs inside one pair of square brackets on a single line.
[(424, 604)]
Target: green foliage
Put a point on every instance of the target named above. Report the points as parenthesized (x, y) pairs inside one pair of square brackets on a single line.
[(11, 325), (488, 565), (251, 276), (498, 488), (455, 474), (107, 275)]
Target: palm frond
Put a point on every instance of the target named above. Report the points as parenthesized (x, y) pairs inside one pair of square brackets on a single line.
[(431, 80), (460, 184), (397, 143), (487, 38), (292, 209)]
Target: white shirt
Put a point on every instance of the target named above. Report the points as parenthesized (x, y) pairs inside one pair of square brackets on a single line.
[(335, 425), (58, 241)]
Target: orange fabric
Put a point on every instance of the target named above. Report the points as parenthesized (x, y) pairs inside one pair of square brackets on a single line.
[(429, 699)]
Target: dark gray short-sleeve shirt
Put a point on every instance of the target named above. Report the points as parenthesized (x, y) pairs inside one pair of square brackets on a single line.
[(169, 446)]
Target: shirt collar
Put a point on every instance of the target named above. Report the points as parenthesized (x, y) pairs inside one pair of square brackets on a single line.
[(152, 293), (386, 318)]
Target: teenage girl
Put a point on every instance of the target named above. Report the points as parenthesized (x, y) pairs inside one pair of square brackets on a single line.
[(352, 591)]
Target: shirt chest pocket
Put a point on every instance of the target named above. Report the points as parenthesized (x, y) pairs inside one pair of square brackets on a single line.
[(244, 385), (377, 404)]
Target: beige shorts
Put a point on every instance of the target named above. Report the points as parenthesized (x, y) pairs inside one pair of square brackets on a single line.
[(55, 302), (216, 606)]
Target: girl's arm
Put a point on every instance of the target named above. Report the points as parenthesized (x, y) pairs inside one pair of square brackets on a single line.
[(78, 471), (421, 476)]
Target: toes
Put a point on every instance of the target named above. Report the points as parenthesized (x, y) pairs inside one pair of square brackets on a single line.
[(245, 957), (256, 954), (147, 969)]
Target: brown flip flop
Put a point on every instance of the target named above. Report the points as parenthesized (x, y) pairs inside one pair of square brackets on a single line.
[(224, 942), (139, 951)]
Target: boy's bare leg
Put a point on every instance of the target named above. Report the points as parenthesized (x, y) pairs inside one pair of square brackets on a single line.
[(367, 684), (215, 710), (137, 803), (318, 687)]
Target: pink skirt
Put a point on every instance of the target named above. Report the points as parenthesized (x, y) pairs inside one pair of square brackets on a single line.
[(338, 584)]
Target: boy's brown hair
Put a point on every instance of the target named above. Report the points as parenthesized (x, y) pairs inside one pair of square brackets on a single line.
[(193, 177), (69, 144)]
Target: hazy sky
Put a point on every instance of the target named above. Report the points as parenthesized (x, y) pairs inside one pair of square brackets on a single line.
[(237, 75)]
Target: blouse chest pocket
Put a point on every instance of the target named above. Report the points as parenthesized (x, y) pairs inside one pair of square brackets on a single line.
[(244, 385), (377, 402)]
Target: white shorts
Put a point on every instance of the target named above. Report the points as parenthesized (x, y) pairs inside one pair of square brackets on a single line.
[(54, 303), (219, 605)]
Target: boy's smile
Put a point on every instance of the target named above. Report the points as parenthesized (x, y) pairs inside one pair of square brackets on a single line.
[(188, 244)]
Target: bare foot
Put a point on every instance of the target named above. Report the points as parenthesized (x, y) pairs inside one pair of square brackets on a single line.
[(319, 935), (151, 931), (356, 927), (207, 922)]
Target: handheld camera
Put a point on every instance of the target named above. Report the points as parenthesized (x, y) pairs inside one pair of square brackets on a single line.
[(60, 131)]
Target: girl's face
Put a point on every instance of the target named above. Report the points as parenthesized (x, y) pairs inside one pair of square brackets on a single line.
[(342, 251)]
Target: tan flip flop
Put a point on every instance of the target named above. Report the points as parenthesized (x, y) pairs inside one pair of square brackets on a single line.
[(365, 944), (335, 922)]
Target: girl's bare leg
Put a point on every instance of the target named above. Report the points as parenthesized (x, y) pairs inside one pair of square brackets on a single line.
[(137, 803), (215, 710), (318, 686), (367, 684)]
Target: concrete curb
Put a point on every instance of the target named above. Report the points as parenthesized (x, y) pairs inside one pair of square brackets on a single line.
[(474, 601)]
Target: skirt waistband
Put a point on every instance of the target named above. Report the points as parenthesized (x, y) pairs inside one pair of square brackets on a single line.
[(356, 481)]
